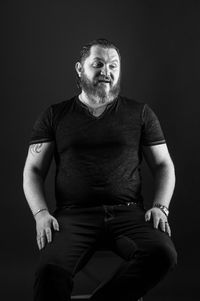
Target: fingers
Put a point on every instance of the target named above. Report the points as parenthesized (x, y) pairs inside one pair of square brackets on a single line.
[(148, 216), (156, 221), (55, 225), (48, 234), (155, 218), (41, 241), (162, 225), (167, 228), (159, 221), (42, 237), (44, 233)]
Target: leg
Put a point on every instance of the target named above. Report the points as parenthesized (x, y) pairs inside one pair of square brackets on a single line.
[(69, 251), (148, 253)]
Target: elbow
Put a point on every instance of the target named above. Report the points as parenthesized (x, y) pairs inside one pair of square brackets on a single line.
[(26, 177), (31, 174), (174, 172), (167, 167), (25, 180), (170, 170), (170, 166)]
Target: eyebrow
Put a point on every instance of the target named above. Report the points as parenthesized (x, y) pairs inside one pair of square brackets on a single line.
[(98, 58)]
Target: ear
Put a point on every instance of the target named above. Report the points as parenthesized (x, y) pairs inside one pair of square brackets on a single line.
[(78, 68)]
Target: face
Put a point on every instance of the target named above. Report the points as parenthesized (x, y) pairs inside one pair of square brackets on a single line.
[(100, 74)]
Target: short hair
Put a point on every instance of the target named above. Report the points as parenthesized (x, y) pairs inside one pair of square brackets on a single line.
[(85, 50)]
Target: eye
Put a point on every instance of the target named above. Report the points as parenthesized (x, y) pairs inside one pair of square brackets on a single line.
[(113, 66), (97, 64)]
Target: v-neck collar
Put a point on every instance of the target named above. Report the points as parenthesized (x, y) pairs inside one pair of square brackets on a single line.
[(86, 108)]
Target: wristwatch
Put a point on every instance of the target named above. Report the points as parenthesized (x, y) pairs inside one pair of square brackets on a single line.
[(163, 208)]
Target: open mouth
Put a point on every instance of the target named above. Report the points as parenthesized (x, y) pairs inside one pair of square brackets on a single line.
[(104, 81)]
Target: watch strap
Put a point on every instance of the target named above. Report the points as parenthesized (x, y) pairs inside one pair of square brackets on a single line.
[(163, 208)]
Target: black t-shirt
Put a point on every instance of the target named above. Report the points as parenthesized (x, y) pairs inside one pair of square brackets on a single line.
[(98, 158)]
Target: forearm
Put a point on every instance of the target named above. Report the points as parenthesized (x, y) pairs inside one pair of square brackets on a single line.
[(164, 177), (33, 185)]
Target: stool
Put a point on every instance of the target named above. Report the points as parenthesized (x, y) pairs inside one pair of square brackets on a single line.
[(94, 272), (87, 297)]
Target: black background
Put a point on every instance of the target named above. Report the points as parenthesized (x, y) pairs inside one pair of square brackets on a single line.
[(159, 43)]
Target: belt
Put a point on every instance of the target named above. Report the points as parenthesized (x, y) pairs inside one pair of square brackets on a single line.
[(89, 205), (127, 204)]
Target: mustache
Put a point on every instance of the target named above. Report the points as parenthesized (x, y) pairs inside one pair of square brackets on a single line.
[(105, 79), (92, 88)]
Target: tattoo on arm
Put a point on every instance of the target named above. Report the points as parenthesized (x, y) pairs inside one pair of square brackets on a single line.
[(36, 148)]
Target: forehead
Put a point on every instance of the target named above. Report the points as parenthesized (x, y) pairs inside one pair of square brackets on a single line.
[(106, 54)]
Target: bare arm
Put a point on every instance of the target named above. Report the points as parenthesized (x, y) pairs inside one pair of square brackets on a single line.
[(162, 168), (35, 170)]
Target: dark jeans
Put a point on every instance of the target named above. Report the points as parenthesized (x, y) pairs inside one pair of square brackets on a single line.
[(148, 253)]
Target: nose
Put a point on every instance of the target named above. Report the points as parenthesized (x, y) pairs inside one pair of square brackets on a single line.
[(105, 71)]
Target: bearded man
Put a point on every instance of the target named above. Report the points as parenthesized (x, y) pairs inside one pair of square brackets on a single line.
[(98, 139)]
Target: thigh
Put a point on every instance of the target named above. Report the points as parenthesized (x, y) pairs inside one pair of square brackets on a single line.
[(75, 242), (130, 233)]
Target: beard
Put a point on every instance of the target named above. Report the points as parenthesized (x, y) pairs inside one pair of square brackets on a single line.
[(98, 92)]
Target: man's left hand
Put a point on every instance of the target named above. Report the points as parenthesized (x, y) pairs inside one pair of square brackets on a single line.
[(159, 219)]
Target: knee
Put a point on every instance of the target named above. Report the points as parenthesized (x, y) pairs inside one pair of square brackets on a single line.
[(52, 283), (164, 256), (51, 274)]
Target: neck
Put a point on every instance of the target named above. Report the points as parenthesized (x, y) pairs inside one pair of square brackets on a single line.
[(93, 102)]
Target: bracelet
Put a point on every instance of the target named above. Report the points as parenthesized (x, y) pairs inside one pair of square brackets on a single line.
[(163, 208), (39, 211)]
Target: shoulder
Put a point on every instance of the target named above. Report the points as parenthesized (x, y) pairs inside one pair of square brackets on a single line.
[(58, 107), (132, 107), (54, 112), (132, 103)]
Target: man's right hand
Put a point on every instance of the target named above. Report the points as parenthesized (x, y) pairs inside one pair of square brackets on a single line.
[(44, 222)]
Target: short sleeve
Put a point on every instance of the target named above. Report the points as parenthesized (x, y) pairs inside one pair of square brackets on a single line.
[(152, 133), (42, 130)]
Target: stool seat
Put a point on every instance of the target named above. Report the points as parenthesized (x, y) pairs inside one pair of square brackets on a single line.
[(80, 297), (94, 272), (87, 297)]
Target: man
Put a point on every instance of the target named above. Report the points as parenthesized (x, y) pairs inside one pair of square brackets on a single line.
[(98, 139)]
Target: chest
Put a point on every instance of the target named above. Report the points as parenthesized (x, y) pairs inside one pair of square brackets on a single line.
[(97, 111), (80, 132)]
